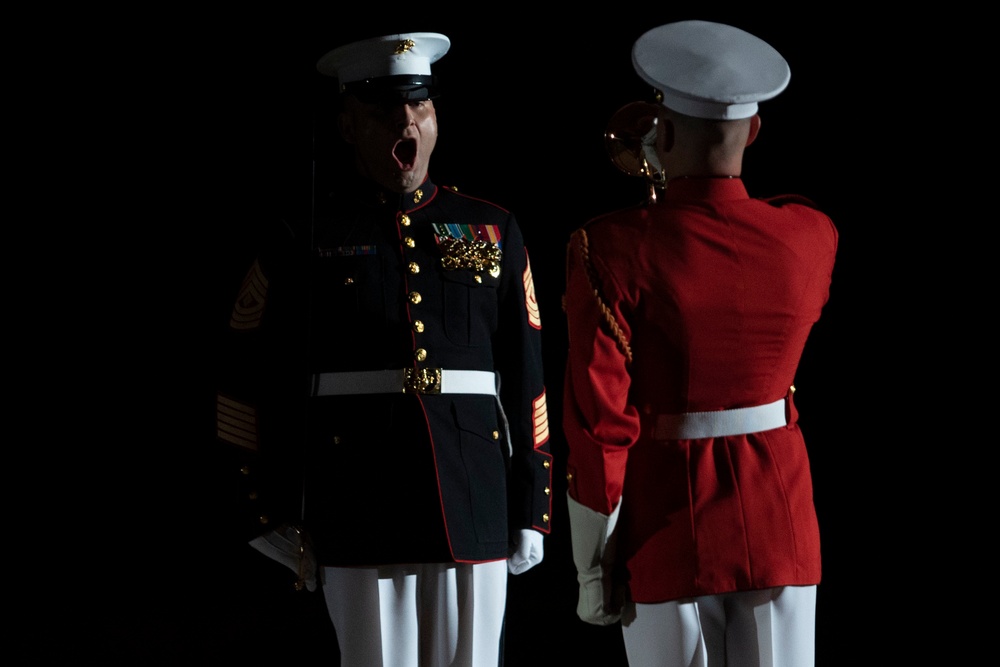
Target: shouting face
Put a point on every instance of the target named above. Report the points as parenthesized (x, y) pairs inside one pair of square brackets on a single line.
[(393, 142)]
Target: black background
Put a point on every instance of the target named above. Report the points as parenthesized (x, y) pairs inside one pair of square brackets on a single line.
[(174, 138)]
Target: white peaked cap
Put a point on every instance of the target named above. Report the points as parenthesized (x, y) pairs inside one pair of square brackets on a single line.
[(391, 55), (709, 70)]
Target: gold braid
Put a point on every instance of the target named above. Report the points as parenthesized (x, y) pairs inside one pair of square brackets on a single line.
[(609, 317)]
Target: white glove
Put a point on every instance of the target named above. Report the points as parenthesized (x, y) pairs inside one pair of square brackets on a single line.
[(291, 547), (528, 552), (593, 540)]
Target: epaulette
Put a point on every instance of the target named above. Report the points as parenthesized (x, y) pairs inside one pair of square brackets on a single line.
[(781, 200), (610, 214)]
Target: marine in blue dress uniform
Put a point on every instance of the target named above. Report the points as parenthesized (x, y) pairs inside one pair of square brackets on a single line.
[(386, 405)]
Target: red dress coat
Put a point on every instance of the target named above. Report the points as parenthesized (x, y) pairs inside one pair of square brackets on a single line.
[(701, 301)]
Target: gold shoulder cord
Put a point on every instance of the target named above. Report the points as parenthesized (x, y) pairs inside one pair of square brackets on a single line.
[(605, 311)]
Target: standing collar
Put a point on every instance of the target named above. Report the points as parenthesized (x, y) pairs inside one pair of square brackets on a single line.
[(406, 201), (704, 187)]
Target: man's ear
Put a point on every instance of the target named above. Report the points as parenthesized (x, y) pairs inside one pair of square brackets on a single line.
[(346, 125), (754, 128)]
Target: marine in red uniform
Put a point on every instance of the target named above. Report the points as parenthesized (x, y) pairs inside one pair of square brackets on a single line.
[(690, 492), (396, 448)]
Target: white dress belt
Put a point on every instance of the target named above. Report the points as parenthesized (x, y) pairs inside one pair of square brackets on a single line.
[(717, 423), (405, 380)]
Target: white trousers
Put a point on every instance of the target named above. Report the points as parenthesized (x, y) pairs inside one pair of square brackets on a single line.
[(421, 615), (774, 627)]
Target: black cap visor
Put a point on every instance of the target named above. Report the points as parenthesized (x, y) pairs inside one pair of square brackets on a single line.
[(401, 89)]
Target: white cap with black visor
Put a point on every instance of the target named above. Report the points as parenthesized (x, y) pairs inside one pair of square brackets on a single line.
[(388, 69)]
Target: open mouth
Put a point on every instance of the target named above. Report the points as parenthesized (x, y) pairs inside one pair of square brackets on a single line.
[(405, 152)]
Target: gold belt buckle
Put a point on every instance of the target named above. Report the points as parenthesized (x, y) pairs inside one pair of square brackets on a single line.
[(421, 380)]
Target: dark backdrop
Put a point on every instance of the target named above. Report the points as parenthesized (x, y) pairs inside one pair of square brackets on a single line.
[(205, 125)]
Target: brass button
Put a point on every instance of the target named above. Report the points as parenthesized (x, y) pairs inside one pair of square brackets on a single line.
[(420, 354), (264, 520), (418, 326), (792, 389), (545, 517), (414, 267), (547, 490), (404, 220), (569, 477), (409, 242), (252, 495), (414, 297), (478, 278), (546, 464), (336, 440), (496, 435), (245, 470), (348, 281)]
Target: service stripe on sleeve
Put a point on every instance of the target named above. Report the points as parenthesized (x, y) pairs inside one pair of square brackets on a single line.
[(540, 418), (235, 422)]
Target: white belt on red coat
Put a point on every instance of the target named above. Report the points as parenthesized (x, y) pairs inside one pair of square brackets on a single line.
[(718, 423)]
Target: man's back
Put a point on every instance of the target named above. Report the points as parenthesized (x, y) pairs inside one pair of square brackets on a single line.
[(689, 479), (718, 292), (705, 300)]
